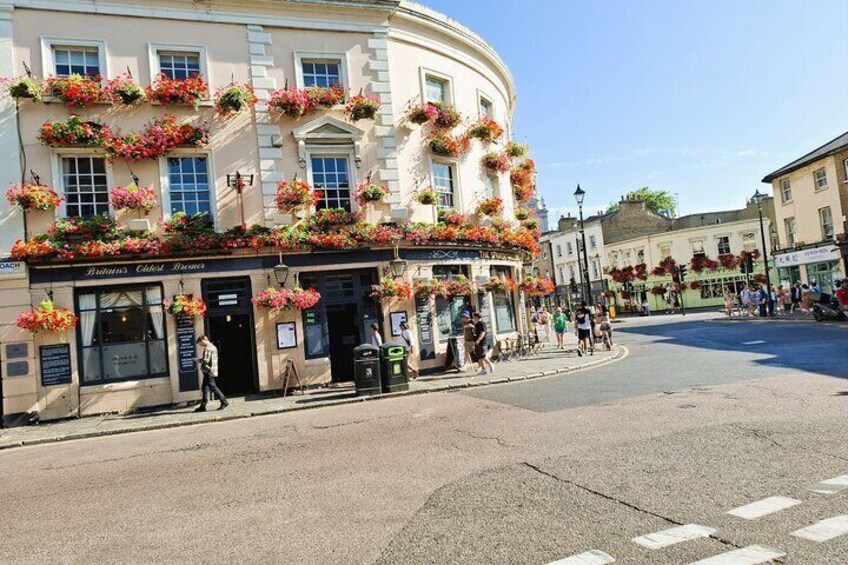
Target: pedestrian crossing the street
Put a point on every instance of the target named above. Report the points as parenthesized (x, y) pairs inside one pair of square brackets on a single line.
[(820, 532)]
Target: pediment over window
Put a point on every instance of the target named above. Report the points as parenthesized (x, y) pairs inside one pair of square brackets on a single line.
[(324, 131)]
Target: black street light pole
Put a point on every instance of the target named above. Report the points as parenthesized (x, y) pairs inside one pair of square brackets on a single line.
[(758, 198), (579, 194)]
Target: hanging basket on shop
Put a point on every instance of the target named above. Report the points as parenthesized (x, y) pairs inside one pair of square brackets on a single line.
[(185, 305)]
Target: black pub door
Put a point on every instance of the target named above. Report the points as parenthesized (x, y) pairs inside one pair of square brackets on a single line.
[(229, 325)]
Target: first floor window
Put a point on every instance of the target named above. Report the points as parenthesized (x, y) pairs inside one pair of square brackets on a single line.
[(486, 110), (330, 175), (122, 334), (69, 61), (443, 182), (665, 250), (321, 72), (749, 241), (559, 250), (593, 243), (698, 247), (789, 226), (826, 220), (435, 90), (820, 178), (85, 186), (188, 185), (179, 65), (640, 256), (723, 245), (785, 190)]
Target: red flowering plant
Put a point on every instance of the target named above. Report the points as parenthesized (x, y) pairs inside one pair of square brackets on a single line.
[(166, 90), (531, 223), (516, 150), (76, 91), (291, 102), (305, 298), (132, 197), (332, 217), (158, 138), (446, 145), (521, 238), (694, 285), (279, 299), (294, 195), (666, 267), (124, 90), (233, 98), (482, 235), (454, 218), (392, 288), (326, 96), (47, 317), (37, 247), (362, 107), (72, 132), (331, 240), (427, 197), (626, 294), (536, 287), (490, 207), (658, 290), (185, 305), (700, 263), (448, 117), (640, 271), (423, 113), (522, 214), (423, 288), (24, 87), (486, 129), (380, 234), (523, 192), (728, 261), (370, 193), (500, 284), (496, 162), (458, 286), (760, 278), (743, 257), (33, 196)]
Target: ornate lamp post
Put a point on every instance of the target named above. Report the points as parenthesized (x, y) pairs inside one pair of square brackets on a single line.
[(758, 199), (579, 194)]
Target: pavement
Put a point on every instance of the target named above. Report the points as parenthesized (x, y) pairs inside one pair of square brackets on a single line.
[(709, 443), (549, 361)]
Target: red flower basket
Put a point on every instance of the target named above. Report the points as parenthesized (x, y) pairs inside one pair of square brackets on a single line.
[(370, 193), (165, 90), (446, 145), (659, 290), (536, 287), (362, 107), (185, 305), (500, 284), (490, 207), (76, 91), (279, 299), (391, 288), (486, 129), (47, 317), (295, 195), (31, 196), (496, 162)]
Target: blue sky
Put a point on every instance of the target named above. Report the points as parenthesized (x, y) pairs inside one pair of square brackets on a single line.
[(701, 99)]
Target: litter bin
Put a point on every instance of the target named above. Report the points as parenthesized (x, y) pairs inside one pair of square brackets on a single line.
[(366, 369), (393, 367)]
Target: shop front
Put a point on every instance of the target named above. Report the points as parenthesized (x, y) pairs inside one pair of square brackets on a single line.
[(822, 264)]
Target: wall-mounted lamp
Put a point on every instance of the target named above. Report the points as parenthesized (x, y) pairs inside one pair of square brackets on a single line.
[(281, 272), (397, 265)]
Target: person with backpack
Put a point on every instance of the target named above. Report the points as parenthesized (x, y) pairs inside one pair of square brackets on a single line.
[(583, 323), (411, 359)]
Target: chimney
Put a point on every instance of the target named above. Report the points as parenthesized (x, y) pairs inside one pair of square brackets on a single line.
[(566, 223)]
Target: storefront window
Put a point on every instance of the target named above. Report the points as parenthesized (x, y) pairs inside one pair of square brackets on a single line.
[(504, 309), (825, 274), (449, 310), (122, 334)]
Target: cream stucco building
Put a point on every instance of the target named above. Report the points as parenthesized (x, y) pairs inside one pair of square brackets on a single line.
[(126, 352)]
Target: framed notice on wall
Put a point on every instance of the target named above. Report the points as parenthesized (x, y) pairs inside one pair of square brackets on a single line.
[(397, 318), (286, 337)]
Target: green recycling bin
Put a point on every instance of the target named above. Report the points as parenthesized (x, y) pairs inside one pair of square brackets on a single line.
[(393, 367)]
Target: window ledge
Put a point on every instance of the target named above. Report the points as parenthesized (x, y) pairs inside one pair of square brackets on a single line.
[(56, 100)]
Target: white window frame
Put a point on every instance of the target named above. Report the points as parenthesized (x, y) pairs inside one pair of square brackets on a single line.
[(457, 191), (345, 151), (153, 50), (816, 186), (484, 96), (59, 179), (559, 250), (424, 72), (753, 238), (783, 191), (821, 223), (165, 182), (791, 236), (569, 248), (718, 240), (700, 241), (48, 64), (670, 249), (299, 56), (593, 242)]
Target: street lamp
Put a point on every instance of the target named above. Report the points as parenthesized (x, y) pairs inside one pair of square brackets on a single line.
[(397, 265), (281, 272), (579, 195), (758, 200)]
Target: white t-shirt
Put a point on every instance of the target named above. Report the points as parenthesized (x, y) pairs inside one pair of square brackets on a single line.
[(407, 337), (376, 338), (584, 321)]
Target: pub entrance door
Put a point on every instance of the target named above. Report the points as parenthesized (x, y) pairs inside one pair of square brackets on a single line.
[(229, 325)]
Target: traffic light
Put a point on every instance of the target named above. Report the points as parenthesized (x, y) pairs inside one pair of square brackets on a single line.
[(675, 276), (683, 270), (749, 263), (573, 285)]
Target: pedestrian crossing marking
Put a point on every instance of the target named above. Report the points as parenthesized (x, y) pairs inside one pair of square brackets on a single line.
[(763, 507), (593, 557), (665, 538), (751, 555), (824, 530), (830, 486), (755, 342)]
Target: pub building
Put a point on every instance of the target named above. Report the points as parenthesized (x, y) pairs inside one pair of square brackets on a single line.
[(126, 351)]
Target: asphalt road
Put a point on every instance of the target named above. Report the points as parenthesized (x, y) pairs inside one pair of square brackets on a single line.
[(693, 423)]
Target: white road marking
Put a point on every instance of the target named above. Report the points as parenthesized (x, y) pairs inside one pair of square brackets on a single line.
[(764, 507), (593, 557), (830, 486), (824, 530), (658, 540), (755, 342), (751, 555)]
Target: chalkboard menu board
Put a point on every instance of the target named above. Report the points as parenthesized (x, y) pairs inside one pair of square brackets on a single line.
[(55, 364), (186, 354), (486, 313), (425, 328)]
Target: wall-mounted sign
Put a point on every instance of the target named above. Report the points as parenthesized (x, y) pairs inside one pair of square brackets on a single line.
[(806, 256), (426, 347), (17, 368), (186, 354), (17, 350), (286, 336), (397, 318), (12, 270), (55, 364)]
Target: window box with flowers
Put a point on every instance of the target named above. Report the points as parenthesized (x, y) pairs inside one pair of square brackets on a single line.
[(392, 288), (24, 88), (73, 132), (47, 317), (124, 90), (169, 91), (158, 138), (32, 196), (76, 91), (298, 102), (279, 299), (185, 305)]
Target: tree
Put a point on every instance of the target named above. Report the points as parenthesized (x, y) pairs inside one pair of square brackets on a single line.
[(657, 201)]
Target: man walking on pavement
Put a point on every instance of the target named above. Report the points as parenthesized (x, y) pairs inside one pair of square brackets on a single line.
[(480, 353), (209, 367)]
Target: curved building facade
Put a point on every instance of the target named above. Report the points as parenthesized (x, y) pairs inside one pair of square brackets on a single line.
[(216, 229)]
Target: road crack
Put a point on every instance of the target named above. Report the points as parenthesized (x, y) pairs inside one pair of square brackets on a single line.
[(499, 441), (760, 434)]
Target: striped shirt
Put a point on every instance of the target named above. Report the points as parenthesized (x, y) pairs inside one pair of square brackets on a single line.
[(209, 361)]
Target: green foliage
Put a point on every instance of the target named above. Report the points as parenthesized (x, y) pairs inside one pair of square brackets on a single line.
[(658, 201)]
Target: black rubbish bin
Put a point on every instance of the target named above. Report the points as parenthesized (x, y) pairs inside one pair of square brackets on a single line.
[(393, 367), (366, 369)]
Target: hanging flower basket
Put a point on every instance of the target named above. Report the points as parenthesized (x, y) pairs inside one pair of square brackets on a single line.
[(522, 214), (131, 197), (370, 193), (36, 247), (446, 145), (458, 286), (279, 299), (123, 90), (294, 195), (234, 98), (72, 132), (516, 150), (536, 287), (158, 138), (531, 223), (24, 88), (333, 217), (423, 114), (490, 207), (760, 278), (436, 114), (524, 193), (30, 196), (427, 288), (47, 317), (659, 290), (609, 294), (362, 107), (500, 284), (168, 91), (185, 305), (76, 91), (453, 218), (626, 294), (427, 197), (666, 267), (694, 285), (495, 162), (728, 261), (391, 288), (296, 103), (704, 263), (487, 130)]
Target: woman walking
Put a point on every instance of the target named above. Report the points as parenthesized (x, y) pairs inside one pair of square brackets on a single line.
[(560, 326), (583, 322)]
